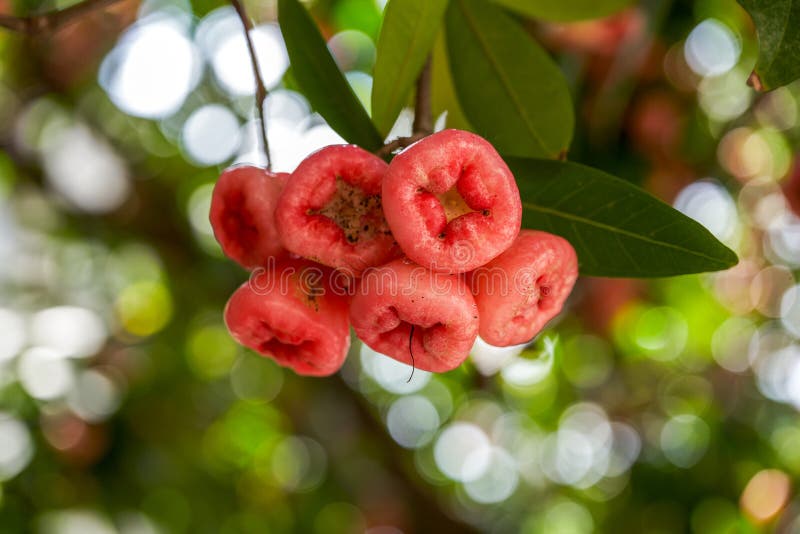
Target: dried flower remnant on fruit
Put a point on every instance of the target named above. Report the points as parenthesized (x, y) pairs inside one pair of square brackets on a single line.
[(330, 210), (451, 202), (359, 215)]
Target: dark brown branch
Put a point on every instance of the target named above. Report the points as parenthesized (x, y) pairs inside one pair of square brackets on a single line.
[(423, 117), (400, 142), (51, 20), (261, 89)]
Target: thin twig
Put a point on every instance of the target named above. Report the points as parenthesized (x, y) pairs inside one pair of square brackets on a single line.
[(51, 20), (261, 89)]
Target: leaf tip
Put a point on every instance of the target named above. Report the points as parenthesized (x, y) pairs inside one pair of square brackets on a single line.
[(731, 259)]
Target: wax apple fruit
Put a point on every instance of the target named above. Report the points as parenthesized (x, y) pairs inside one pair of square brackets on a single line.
[(451, 202), (330, 210), (290, 314), (518, 292), (392, 299), (243, 214)]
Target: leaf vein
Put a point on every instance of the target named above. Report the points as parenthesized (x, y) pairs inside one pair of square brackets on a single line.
[(505, 83), (589, 222)]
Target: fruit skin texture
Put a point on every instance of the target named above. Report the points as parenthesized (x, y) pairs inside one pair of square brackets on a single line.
[(290, 314), (392, 298), (461, 233), (539, 271), (330, 210), (243, 214)]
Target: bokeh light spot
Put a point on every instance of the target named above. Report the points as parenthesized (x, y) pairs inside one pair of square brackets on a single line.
[(392, 375), (231, 61), (12, 334), (144, 308), (684, 439), (498, 482), (152, 69), (765, 495), (711, 205), (44, 373), (255, 378), (16, 446), (711, 48), (70, 330), (211, 352), (412, 421), (298, 463), (211, 134), (463, 452)]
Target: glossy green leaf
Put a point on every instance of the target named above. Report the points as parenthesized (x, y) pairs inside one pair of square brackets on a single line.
[(443, 94), (777, 23), (565, 10), (320, 80), (616, 228), (509, 88), (407, 35)]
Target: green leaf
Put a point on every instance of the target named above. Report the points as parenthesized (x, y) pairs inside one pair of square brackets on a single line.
[(616, 228), (777, 23), (408, 32), (509, 88), (320, 79), (443, 94), (565, 10)]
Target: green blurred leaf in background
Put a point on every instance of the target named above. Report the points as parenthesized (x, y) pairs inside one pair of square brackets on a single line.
[(565, 10)]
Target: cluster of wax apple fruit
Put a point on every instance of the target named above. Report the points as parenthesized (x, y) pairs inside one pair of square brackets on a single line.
[(420, 255)]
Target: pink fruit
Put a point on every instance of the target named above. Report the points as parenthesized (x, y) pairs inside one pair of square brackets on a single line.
[(518, 292), (395, 297), (451, 202), (243, 214), (290, 314), (330, 210)]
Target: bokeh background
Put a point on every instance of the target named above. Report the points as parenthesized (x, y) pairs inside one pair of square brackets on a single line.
[(649, 406)]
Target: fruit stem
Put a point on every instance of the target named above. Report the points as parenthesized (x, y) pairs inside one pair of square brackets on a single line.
[(261, 89)]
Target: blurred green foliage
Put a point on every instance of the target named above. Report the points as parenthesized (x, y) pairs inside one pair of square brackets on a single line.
[(651, 406)]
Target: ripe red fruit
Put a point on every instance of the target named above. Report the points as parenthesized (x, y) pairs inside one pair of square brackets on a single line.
[(451, 202), (518, 292), (330, 210), (290, 314), (243, 214), (395, 297)]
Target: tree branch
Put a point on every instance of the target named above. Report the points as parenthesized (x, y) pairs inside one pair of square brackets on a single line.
[(51, 20), (400, 142), (261, 89), (423, 117)]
